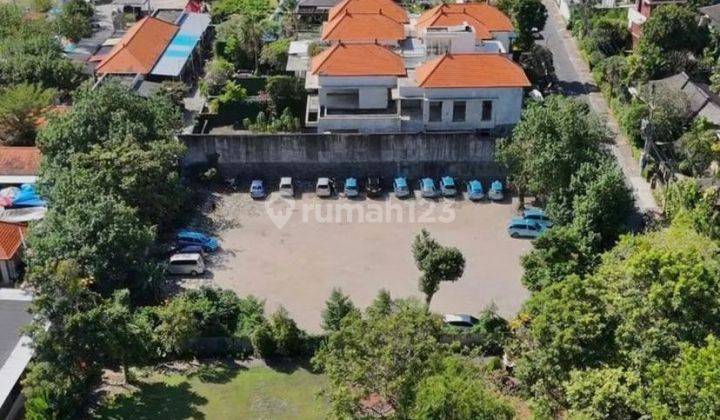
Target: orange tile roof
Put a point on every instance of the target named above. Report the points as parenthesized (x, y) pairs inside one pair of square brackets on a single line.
[(387, 7), (11, 238), (22, 161), (139, 49), (470, 71), (476, 14), (358, 60), (363, 27)]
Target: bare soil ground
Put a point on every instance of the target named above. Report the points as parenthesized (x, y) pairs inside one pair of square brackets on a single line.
[(311, 245)]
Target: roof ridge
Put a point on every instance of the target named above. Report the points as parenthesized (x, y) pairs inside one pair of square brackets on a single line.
[(434, 67), (330, 52), (124, 43)]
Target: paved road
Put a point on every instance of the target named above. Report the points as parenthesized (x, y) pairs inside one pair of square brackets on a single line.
[(576, 80)]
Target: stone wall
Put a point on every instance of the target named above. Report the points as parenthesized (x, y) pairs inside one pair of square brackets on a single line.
[(308, 156)]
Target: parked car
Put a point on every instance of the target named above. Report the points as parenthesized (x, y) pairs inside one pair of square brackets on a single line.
[(257, 189), (190, 237), (191, 264), (475, 190), (496, 191), (373, 186), (519, 227), (537, 215), (190, 249), (287, 187), (351, 188), (401, 187), (447, 186), (427, 188), (460, 320), (323, 188)]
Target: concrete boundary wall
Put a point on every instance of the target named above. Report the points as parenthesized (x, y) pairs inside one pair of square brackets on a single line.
[(307, 156)]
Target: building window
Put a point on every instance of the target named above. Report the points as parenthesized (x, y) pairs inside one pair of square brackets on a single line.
[(459, 111), (487, 110), (435, 111)]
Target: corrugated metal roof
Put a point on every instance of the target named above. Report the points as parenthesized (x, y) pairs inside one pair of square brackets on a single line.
[(192, 27)]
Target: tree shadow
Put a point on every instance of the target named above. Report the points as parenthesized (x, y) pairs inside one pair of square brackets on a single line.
[(156, 401), (289, 365), (217, 372)]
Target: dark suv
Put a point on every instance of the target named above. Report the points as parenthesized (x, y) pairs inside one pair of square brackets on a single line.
[(373, 186)]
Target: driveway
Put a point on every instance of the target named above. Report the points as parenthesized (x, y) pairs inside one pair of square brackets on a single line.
[(576, 79), (311, 245)]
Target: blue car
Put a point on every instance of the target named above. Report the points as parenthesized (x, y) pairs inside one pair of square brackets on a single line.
[(537, 215), (475, 190), (496, 191), (351, 187), (401, 188), (427, 188), (191, 237), (523, 228), (447, 186), (257, 189)]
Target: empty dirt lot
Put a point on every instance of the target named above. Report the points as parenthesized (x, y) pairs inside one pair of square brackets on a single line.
[(311, 245)]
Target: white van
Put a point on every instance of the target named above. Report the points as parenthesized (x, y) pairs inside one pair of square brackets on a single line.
[(286, 187), (323, 188), (192, 264)]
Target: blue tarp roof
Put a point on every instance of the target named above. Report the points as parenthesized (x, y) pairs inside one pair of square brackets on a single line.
[(192, 27), (28, 197)]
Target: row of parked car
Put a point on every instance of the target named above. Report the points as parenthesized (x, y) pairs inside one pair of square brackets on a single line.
[(326, 187), (532, 223)]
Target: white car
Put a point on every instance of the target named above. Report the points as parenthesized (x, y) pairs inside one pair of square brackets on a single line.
[(496, 191), (323, 188), (287, 188), (192, 264), (460, 320)]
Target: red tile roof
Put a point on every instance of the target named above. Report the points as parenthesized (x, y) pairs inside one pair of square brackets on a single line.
[(470, 71), (387, 7), (363, 27), (481, 16), (139, 49), (358, 60), (11, 238), (19, 160)]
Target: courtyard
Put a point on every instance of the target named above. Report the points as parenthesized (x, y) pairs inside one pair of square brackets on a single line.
[(294, 252)]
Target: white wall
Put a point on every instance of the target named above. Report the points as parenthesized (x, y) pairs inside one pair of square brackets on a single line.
[(372, 92), (360, 124), (505, 38), (506, 107)]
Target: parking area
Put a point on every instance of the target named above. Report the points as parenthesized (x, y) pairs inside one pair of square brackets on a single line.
[(293, 252)]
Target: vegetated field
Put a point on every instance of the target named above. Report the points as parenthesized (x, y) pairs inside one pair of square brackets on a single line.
[(246, 392)]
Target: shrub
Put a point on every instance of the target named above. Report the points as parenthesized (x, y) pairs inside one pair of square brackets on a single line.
[(287, 336), (263, 342), (492, 331)]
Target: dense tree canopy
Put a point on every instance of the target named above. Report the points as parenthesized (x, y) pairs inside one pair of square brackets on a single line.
[(21, 107), (529, 16)]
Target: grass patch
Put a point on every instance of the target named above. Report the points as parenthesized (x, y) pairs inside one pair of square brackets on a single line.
[(257, 392)]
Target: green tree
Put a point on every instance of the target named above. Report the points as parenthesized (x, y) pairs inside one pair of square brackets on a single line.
[(383, 356), (550, 143), (337, 307), (686, 199), (538, 64), (75, 20), (37, 58), (457, 392), (688, 386), (529, 16), (436, 263), (286, 92), (382, 305), (610, 36), (698, 148), (218, 72), (254, 9), (675, 27), (492, 331), (287, 336), (20, 108), (559, 253), (118, 143), (242, 36), (274, 55), (562, 327), (605, 393)]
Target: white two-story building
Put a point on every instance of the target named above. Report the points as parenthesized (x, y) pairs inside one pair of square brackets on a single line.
[(384, 71)]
